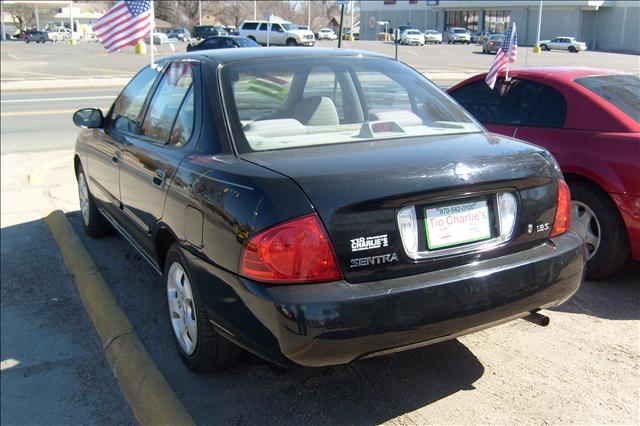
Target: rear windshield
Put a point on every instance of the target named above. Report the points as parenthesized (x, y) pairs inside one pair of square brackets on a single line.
[(459, 31), (316, 101), (623, 91)]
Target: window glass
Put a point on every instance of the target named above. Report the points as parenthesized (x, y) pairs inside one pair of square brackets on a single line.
[(212, 43), (323, 83), (260, 95), (623, 91), (125, 115), (250, 26), (506, 104), (168, 97), (246, 42), (550, 110), (276, 28), (315, 101), (181, 132), (263, 26)]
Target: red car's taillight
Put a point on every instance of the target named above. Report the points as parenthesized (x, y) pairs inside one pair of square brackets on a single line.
[(297, 251), (562, 221)]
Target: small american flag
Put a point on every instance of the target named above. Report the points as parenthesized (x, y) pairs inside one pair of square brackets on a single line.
[(506, 55), (126, 23)]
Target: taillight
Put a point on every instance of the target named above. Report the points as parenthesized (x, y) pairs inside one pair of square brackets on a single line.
[(297, 251), (562, 221)]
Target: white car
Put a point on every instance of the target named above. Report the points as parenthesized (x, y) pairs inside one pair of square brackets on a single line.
[(458, 35), (158, 38), (432, 36), (327, 34), (282, 33), (563, 43), (412, 37)]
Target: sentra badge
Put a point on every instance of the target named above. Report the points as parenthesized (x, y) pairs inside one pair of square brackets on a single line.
[(369, 243), (374, 260)]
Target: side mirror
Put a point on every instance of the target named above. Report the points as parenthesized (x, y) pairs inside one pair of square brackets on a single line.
[(88, 118)]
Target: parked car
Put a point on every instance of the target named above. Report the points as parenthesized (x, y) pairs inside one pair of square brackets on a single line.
[(479, 37), (158, 38), (261, 204), (327, 34), (563, 43), (181, 34), (222, 42), (412, 37), (206, 31), (281, 34), (39, 37), (493, 43), (432, 36), (455, 35), (589, 119), (231, 30)]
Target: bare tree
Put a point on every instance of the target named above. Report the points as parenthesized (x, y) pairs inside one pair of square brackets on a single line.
[(21, 15)]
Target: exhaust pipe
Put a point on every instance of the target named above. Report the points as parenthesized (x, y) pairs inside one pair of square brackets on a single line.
[(537, 318)]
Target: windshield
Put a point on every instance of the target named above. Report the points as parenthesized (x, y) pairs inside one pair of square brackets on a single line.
[(431, 32), (318, 100), (289, 27), (494, 38), (413, 32), (623, 91), (459, 31)]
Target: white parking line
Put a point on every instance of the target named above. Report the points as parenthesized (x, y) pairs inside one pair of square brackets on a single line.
[(78, 98)]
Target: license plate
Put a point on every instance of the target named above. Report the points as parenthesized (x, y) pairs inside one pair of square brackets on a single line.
[(457, 224)]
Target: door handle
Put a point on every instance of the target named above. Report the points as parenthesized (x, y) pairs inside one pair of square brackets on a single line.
[(159, 178), (117, 156)]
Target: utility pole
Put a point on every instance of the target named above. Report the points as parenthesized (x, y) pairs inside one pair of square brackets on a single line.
[(255, 10), (199, 12), (4, 36), (353, 3), (536, 48), (309, 18), (340, 29)]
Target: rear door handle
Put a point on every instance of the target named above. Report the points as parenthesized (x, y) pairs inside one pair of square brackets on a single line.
[(159, 178)]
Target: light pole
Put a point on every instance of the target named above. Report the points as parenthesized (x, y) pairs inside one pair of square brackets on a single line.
[(309, 17), (4, 37), (199, 12), (536, 48), (255, 10)]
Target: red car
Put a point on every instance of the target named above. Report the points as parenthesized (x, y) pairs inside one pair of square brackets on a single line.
[(590, 120)]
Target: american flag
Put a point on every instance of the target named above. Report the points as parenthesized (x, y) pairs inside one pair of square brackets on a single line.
[(506, 55), (126, 23)]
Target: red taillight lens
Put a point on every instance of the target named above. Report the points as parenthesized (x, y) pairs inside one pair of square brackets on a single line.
[(562, 221), (297, 251)]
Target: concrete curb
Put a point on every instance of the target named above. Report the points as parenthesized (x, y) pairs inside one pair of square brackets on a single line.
[(150, 397)]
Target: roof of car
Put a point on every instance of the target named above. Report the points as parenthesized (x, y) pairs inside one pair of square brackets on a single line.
[(559, 74), (248, 53)]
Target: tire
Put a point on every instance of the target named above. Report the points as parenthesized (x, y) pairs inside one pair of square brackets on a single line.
[(544, 47), (209, 351), (596, 218), (291, 42), (95, 225), (573, 49)]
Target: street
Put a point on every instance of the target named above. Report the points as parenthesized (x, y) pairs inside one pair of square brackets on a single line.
[(582, 368)]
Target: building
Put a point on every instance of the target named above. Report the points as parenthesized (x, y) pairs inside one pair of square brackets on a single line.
[(603, 24)]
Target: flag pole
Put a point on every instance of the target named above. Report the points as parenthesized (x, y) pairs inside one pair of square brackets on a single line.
[(511, 38), (153, 21)]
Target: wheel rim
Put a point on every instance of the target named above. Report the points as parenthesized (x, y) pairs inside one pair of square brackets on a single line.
[(586, 224), (83, 193), (182, 309)]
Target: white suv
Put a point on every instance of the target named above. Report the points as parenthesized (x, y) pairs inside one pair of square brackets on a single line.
[(282, 33), (327, 34), (458, 35)]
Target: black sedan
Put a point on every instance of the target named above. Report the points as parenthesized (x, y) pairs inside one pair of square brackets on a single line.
[(318, 206), (222, 42)]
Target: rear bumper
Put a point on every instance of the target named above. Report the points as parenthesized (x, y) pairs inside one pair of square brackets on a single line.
[(629, 207), (336, 323)]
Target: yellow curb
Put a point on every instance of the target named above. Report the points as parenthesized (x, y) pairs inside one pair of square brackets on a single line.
[(149, 395)]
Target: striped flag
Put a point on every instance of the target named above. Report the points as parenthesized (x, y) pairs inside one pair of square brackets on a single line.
[(126, 23), (506, 55)]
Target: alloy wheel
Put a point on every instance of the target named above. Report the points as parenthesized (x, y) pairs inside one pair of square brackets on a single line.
[(83, 193), (182, 308)]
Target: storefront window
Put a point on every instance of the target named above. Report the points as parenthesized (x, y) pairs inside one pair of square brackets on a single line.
[(463, 18), (497, 20)]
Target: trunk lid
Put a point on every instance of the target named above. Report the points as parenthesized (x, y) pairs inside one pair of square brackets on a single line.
[(359, 188)]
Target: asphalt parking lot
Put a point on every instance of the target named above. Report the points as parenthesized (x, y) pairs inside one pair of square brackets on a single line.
[(584, 368)]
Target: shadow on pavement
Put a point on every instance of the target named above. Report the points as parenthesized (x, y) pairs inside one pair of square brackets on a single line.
[(616, 298), (255, 392)]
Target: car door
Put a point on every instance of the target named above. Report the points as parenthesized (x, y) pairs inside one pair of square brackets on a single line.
[(151, 158), (277, 34), (502, 109), (555, 43), (105, 151), (261, 34)]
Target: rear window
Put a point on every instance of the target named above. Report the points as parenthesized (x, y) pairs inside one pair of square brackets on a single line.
[(623, 91), (316, 101), (459, 31)]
